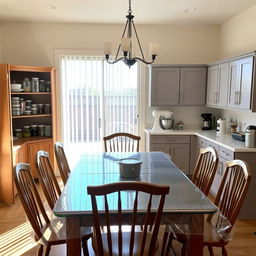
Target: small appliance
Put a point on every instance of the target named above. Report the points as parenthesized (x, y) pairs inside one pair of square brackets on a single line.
[(221, 126), (250, 136), (163, 120), (207, 121)]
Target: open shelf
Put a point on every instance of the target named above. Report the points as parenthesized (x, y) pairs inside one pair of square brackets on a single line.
[(31, 116), (30, 93)]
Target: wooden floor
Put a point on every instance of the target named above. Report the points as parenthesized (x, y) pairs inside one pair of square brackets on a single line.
[(16, 236)]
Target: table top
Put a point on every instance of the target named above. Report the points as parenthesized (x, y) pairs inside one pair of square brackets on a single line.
[(103, 168)]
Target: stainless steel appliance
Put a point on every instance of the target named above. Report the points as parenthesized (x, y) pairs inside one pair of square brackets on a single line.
[(207, 121), (250, 136), (163, 120)]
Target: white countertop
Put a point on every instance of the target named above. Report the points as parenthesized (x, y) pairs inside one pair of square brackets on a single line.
[(223, 140)]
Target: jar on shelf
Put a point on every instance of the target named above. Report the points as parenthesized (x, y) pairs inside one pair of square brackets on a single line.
[(35, 84), (42, 86), (48, 130), (47, 108), (40, 108), (28, 102), (48, 86), (22, 106), (26, 84), (34, 111), (34, 130), (26, 131), (40, 130), (17, 133)]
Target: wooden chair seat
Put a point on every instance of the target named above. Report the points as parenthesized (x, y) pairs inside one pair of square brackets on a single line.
[(126, 244)]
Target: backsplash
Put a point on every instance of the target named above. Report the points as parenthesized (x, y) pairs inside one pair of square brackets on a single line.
[(242, 117)]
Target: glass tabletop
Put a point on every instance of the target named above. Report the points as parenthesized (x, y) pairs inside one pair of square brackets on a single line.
[(103, 168)]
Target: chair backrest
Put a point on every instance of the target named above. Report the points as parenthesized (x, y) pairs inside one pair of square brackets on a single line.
[(47, 178), (232, 190), (30, 198), (121, 142), (117, 188), (205, 169), (62, 161)]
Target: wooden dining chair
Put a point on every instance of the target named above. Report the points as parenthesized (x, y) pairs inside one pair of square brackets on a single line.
[(205, 169), (132, 242), (121, 142), (45, 234), (229, 200), (62, 161), (52, 190)]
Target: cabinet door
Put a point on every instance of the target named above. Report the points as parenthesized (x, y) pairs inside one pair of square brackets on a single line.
[(245, 83), (222, 88), (180, 154), (233, 84), (218, 176), (192, 86), (33, 148), (160, 147), (164, 88), (20, 155), (212, 83)]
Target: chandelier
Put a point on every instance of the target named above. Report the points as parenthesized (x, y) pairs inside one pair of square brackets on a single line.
[(126, 45)]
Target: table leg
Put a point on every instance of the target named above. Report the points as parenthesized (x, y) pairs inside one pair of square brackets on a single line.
[(195, 243), (73, 236)]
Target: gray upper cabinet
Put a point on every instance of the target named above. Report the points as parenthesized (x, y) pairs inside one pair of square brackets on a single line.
[(241, 74), (212, 83), (192, 86), (217, 85), (164, 89), (172, 86)]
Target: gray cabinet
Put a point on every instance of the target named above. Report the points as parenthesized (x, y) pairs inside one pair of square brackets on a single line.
[(192, 86), (178, 147), (164, 86), (217, 85), (241, 73), (170, 86)]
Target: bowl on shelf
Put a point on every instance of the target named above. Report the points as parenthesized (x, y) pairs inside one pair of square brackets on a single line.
[(15, 87)]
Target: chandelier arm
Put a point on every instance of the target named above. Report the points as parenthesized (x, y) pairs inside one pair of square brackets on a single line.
[(143, 60), (122, 37), (142, 54), (114, 61)]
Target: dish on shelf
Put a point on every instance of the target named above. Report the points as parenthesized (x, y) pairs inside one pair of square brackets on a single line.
[(17, 90)]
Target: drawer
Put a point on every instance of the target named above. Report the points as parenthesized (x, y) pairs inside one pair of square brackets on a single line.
[(201, 142), (169, 139), (213, 145), (226, 153)]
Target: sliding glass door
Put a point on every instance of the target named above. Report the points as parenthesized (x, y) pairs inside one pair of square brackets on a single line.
[(97, 99)]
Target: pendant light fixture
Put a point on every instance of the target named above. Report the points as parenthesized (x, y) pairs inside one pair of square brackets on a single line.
[(126, 45)]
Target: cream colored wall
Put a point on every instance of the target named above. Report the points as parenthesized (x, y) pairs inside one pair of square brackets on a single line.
[(35, 44), (238, 36)]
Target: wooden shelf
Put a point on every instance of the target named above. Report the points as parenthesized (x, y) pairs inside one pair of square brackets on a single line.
[(31, 116), (30, 93), (24, 140)]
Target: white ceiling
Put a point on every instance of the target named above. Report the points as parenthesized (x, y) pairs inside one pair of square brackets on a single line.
[(114, 11)]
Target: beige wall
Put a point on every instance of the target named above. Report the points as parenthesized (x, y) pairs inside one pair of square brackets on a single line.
[(34, 44), (238, 36)]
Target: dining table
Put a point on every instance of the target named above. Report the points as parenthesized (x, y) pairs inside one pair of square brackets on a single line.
[(184, 205)]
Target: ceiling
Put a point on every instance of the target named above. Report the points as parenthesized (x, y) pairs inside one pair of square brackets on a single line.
[(114, 11)]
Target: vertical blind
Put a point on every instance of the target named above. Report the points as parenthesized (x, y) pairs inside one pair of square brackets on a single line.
[(97, 99)]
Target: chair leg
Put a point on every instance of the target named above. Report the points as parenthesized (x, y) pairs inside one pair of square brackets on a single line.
[(40, 250), (85, 247), (47, 252), (210, 251), (224, 251), (169, 245)]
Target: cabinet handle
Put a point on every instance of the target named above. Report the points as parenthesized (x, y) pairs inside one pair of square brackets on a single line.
[(224, 152), (218, 97), (235, 99), (238, 98)]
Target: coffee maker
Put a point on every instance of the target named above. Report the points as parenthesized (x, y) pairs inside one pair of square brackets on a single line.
[(207, 121)]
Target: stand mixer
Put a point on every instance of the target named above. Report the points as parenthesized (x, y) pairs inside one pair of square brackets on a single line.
[(163, 120)]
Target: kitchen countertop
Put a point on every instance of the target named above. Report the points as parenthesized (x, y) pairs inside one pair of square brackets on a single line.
[(225, 140)]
